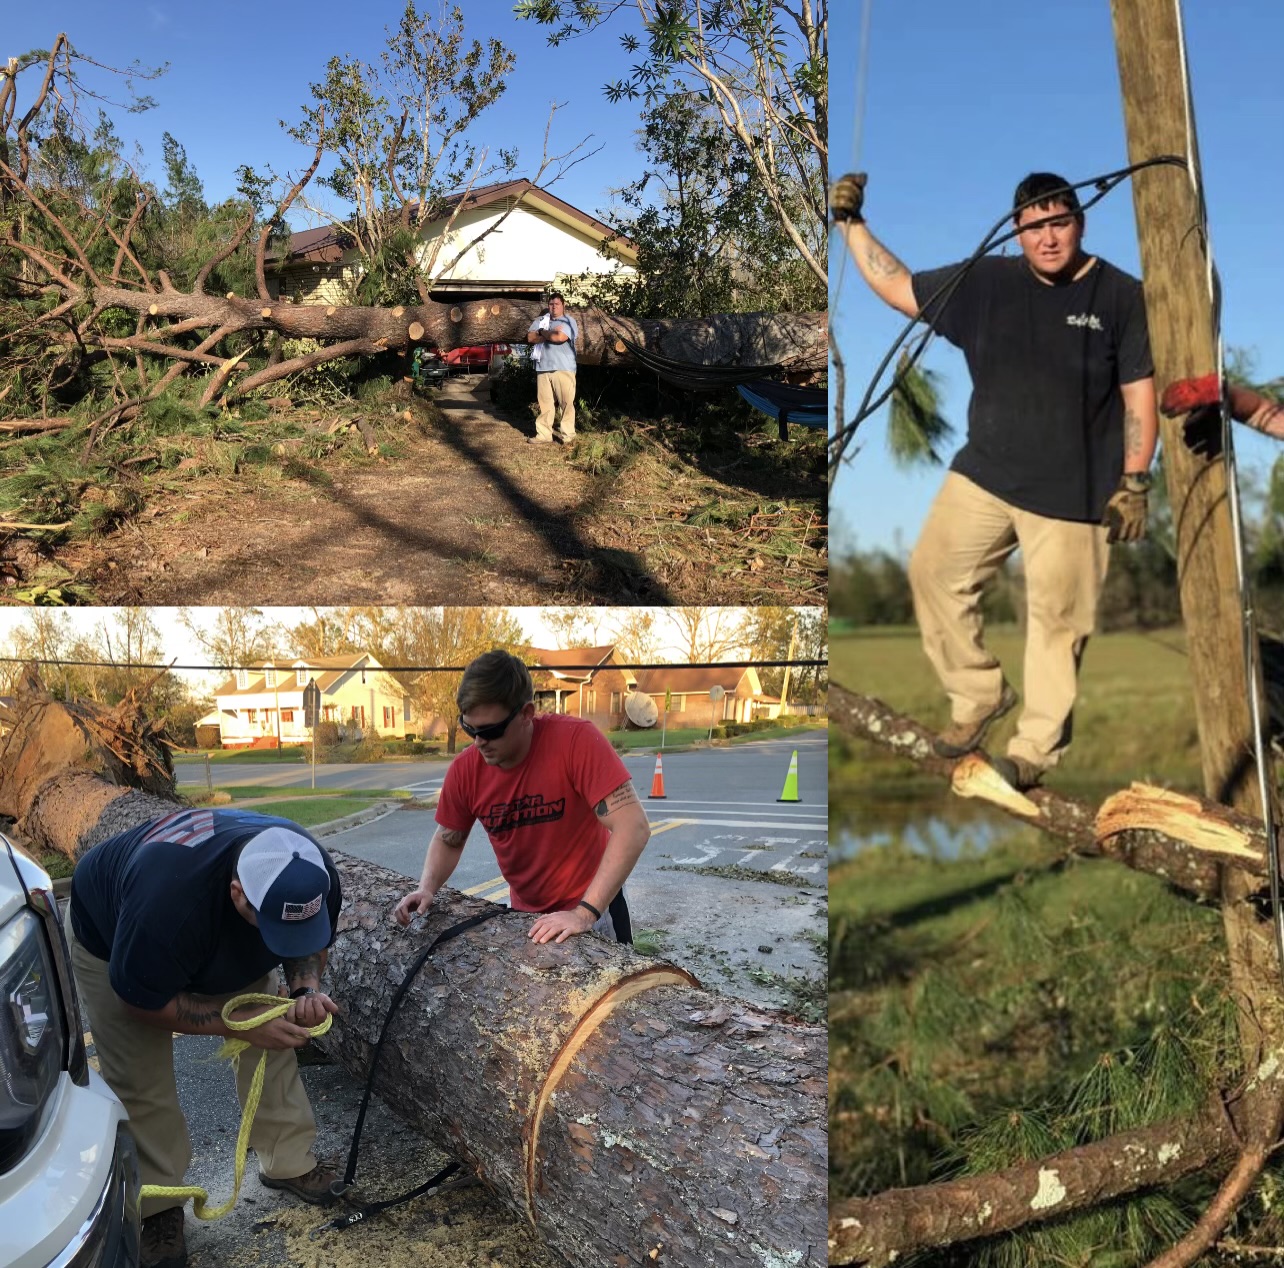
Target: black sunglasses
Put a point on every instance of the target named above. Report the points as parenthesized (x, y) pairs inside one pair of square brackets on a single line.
[(491, 732)]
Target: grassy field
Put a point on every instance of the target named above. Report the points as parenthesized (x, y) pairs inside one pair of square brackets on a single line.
[(684, 737), (1135, 716)]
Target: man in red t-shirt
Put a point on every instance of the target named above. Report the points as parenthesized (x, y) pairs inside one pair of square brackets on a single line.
[(556, 801)]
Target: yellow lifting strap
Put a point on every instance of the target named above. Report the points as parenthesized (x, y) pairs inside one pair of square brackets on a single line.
[(232, 1050)]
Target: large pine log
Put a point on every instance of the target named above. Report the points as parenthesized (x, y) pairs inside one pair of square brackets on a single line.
[(631, 1116)]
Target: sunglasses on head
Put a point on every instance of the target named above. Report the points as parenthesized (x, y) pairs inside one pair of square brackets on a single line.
[(491, 732)]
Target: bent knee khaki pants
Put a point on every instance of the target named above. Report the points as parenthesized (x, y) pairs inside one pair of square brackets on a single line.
[(967, 536), (137, 1060)]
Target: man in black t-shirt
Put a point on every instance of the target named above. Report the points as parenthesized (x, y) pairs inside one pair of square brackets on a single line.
[(169, 920), (1062, 426)]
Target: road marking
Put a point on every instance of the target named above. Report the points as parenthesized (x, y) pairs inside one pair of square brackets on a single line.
[(818, 827), (490, 884), (665, 824)]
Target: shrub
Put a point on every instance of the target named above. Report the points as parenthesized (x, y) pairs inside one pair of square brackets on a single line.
[(513, 388), (370, 748), (327, 734)]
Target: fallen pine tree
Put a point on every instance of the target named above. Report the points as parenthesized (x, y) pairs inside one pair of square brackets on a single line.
[(631, 1116), (1192, 844)]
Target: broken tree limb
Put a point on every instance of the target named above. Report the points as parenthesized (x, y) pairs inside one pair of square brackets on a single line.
[(600, 1094), (1146, 845), (881, 1230)]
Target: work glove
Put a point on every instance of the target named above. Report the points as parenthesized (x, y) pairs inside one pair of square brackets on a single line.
[(1125, 515), (1200, 399), (847, 197)]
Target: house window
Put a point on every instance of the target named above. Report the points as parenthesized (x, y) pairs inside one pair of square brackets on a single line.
[(301, 677), (679, 704), (617, 701), (405, 709), (269, 677), (388, 719), (327, 713), (251, 715), (242, 679), (287, 715), (592, 701)]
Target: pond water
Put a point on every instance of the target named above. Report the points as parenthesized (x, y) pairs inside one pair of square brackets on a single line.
[(929, 820)]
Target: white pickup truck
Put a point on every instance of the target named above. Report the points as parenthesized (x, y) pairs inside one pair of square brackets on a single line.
[(68, 1171)]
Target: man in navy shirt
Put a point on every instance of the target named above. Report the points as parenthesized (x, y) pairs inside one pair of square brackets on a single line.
[(1062, 427), (168, 921), (553, 337)]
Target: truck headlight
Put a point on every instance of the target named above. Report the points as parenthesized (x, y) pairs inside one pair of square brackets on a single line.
[(32, 1038)]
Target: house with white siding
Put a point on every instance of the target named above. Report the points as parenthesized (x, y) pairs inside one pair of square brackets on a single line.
[(262, 706), (510, 239)]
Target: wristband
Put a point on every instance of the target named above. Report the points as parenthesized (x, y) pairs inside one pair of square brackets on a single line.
[(303, 990), (597, 915)]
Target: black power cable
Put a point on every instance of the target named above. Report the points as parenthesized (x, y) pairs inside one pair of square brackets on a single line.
[(840, 441)]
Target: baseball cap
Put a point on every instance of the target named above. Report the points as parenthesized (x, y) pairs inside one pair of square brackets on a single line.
[(284, 876)]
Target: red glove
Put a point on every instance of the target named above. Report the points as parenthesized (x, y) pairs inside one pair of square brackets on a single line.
[(1187, 395), (1190, 394)]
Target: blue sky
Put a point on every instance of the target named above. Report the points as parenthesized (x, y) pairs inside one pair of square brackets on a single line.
[(963, 100), (237, 68)]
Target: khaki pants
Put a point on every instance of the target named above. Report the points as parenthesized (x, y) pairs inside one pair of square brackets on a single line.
[(965, 540), (555, 390), (137, 1060)]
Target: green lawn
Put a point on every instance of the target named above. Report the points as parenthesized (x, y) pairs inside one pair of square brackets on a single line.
[(252, 756), (309, 811), (679, 737), (1135, 717)]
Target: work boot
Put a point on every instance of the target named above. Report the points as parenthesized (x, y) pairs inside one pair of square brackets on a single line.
[(960, 738), (1017, 772), (163, 1243), (539, 440), (313, 1186)]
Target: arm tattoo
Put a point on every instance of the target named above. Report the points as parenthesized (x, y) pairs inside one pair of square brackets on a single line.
[(307, 966), (196, 1010), (881, 262), (1270, 418), (622, 796), (1132, 433), (452, 837)]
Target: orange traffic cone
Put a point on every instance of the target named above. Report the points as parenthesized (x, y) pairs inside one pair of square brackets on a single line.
[(657, 780)]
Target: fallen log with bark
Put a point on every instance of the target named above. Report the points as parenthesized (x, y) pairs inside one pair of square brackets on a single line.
[(630, 1115), (1192, 843)]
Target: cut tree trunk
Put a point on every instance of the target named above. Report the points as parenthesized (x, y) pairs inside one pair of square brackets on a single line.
[(633, 1117)]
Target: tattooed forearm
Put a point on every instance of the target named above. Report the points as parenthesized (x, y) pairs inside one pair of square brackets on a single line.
[(624, 795), (452, 838), (881, 262), (196, 1010), (1132, 434)]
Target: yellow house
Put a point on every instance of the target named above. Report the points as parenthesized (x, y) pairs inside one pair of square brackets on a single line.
[(542, 241), (262, 706)]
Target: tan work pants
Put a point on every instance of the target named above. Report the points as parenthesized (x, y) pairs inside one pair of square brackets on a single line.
[(555, 390), (137, 1060), (966, 538)]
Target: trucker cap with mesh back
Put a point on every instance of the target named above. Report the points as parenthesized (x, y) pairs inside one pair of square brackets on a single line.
[(284, 877)]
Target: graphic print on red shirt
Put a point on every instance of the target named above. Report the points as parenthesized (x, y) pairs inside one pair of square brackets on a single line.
[(540, 816)]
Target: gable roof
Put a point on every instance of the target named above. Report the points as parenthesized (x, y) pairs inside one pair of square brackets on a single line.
[(689, 680), (551, 658), (330, 670), (325, 245)]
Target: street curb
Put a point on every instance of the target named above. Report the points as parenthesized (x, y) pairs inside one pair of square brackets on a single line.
[(374, 811)]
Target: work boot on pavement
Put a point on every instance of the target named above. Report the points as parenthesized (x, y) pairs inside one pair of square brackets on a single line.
[(1017, 772), (313, 1186), (163, 1243), (960, 738)]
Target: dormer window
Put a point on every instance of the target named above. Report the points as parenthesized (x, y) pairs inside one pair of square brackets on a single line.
[(269, 677), (242, 679), (301, 676)]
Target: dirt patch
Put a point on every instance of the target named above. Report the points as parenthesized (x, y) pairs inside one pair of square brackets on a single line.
[(458, 508)]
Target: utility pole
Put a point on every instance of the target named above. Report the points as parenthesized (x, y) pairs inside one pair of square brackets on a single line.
[(1160, 119)]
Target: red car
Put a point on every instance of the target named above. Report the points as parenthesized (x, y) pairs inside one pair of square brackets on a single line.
[(474, 356)]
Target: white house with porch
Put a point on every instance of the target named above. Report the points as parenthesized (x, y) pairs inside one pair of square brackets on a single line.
[(262, 706)]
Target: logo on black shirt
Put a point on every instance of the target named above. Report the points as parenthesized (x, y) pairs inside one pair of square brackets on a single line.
[(1091, 320), (504, 816)]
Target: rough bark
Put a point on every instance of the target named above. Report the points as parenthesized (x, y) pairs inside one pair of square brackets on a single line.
[(600, 1094), (682, 1122)]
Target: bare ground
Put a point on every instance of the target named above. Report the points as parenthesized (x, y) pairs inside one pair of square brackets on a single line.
[(458, 508)]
